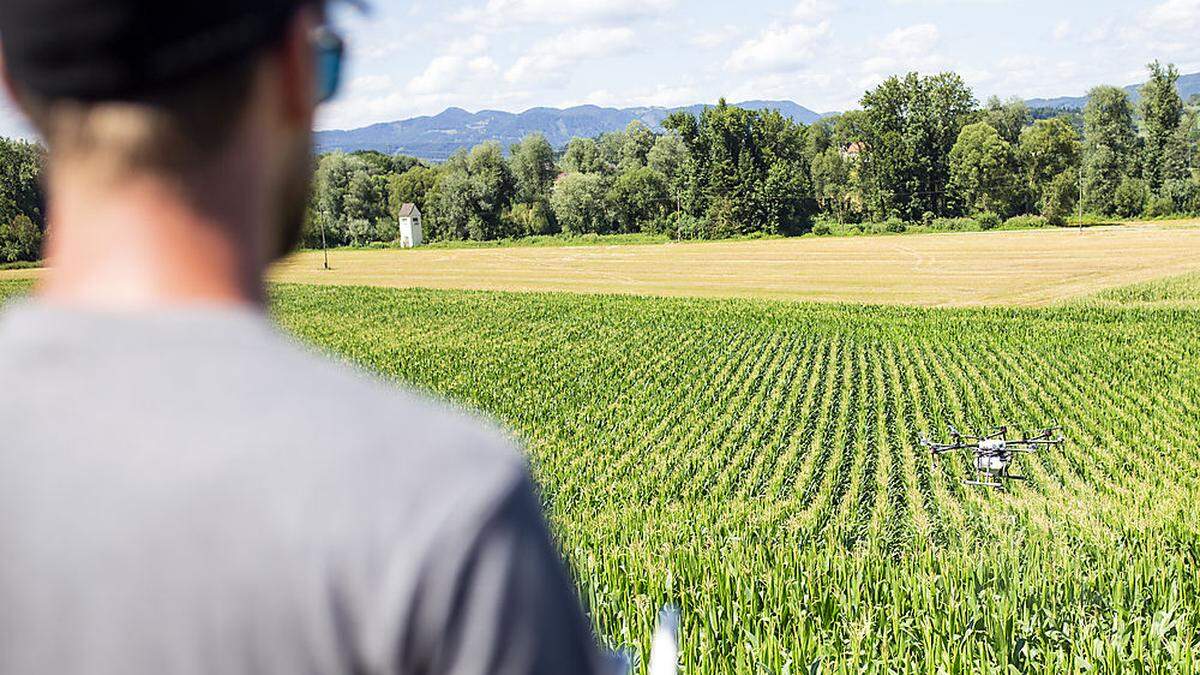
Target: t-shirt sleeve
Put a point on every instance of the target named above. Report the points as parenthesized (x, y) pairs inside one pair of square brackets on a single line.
[(500, 602)]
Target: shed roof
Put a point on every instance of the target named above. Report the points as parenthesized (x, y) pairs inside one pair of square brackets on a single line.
[(409, 210)]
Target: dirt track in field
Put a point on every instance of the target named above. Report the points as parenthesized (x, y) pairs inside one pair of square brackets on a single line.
[(1030, 268)]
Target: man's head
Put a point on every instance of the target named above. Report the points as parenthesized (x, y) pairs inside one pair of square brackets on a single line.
[(200, 94)]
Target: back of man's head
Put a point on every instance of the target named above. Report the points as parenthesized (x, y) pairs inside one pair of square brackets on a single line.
[(179, 91), (160, 82)]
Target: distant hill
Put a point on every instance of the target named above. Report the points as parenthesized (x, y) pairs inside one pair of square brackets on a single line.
[(1189, 85), (436, 138)]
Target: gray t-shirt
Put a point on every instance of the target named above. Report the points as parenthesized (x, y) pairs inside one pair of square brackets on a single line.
[(189, 493)]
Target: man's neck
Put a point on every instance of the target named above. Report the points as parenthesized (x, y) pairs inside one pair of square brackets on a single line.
[(141, 245)]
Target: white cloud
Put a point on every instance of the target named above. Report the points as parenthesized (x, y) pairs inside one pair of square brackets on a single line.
[(1062, 30), (549, 60), (779, 48), (371, 83), (1181, 16), (813, 10), (911, 41), (452, 72), (499, 12), (717, 37), (662, 96)]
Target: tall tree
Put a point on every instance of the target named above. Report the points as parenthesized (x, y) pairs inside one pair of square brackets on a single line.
[(983, 171), (639, 200), (638, 143), (533, 169), (366, 197), (489, 168), (20, 240), (411, 187), (20, 181), (1110, 151), (1165, 155), (582, 156), (472, 195), (579, 203), (1048, 149), (910, 126), (746, 170), (831, 183), (668, 155), (1009, 118)]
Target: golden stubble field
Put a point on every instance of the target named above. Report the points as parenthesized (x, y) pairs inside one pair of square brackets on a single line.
[(1031, 268)]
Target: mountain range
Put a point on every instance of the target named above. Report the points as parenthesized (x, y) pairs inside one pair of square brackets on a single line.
[(437, 137), (1189, 86)]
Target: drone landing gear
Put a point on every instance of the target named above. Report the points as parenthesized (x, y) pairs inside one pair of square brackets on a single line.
[(994, 481)]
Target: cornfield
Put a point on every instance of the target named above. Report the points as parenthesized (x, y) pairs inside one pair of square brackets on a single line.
[(757, 464)]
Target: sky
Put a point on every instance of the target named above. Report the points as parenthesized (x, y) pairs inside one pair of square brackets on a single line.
[(418, 57)]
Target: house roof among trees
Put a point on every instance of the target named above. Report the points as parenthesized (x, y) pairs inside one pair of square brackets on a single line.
[(408, 210)]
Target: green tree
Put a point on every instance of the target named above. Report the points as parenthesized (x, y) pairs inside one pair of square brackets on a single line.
[(454, 201), (611, 149), (1165, 155), (1131, 197), (1048, 149), (1110, 147), (910, 125), (579, 203), (472, 196), (1009, 118), (746, 170), (21, 166), (330, 188), (532, 219), (582, 156), (638, 142), (983, 171), (668, 156), (1060, 197), (20, 240), (849, 128), (496, 189), (533, 169), (366, 197), (377, 162), (411, 187), (639, 200), (831, 176), (402, 164), (360, 231)]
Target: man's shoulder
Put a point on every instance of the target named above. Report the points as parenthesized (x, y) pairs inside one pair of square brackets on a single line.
[(369, 424)]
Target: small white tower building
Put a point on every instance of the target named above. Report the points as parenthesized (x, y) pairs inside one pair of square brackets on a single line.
[(411, 235)]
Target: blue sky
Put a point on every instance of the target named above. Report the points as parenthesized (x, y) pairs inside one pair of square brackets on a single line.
[(416, 57)]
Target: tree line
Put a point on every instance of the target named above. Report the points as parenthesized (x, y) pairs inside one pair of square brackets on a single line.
[(920, 150), (21, 202)]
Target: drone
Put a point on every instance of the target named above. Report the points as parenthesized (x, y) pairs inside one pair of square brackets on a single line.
[(995, 452)]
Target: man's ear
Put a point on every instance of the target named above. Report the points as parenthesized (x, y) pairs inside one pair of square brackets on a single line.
[(298, 68)]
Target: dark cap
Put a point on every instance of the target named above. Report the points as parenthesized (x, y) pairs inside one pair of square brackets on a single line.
[(123, 49)]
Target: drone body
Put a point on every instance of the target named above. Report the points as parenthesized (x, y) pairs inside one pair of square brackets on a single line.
[(994, 453)]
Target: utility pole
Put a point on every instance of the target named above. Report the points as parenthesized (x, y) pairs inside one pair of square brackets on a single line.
[(324, 247), (1081, 198)]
